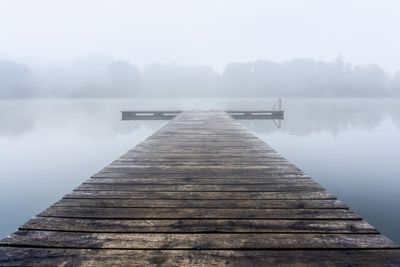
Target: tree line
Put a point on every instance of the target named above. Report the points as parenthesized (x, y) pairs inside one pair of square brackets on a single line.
[(104, 77)]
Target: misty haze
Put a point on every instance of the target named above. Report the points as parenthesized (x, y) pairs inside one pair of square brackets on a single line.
[(103, 76), (199, 133)]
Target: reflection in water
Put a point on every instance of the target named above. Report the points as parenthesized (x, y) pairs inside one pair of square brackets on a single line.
[(350, 146), (302, 116), (307, 116), (48, 147), (99, 119)]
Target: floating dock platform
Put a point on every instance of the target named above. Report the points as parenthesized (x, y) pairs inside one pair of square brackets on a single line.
[(236, 114)]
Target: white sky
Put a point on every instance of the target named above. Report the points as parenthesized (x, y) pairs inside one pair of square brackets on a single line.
[(211, 32)]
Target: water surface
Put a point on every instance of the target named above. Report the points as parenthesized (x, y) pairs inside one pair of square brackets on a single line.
[(350, 146)]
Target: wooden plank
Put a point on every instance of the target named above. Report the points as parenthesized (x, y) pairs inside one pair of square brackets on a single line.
[(54, 239), (201, 187), (169, 161), (200, 164), (201, 195), (231, 170), (209, 181), (198, 156), (217, 204), (16, 256), (196, 213), (216, 152), (197, 165), (195, 226), (161, 137), (204, 175), (201, 156), (225, 171), (245, 143)]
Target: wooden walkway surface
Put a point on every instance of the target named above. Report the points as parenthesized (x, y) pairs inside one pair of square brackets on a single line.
[(201, 191)]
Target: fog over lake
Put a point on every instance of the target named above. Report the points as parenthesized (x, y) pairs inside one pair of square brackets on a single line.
[(349, 145), (88, 178)]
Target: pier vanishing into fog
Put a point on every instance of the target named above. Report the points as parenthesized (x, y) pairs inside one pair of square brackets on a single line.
[(201, 191)]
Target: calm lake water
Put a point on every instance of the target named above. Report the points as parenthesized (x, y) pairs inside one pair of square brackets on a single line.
[(350, 146)]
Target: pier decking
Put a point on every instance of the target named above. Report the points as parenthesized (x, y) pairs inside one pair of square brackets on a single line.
[(201, 191)]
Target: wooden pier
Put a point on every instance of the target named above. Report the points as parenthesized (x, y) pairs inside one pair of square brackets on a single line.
[(201, 191)]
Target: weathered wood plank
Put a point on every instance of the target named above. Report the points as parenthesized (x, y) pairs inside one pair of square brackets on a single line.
[(16, 256), (205, 157), (193, 226), (54, 239), (201, 195), (256, 163), (205, 175), (217, 204), (227, 172), (203, 148), (198, 165), (201, 187), (209, 181), (197, 213)]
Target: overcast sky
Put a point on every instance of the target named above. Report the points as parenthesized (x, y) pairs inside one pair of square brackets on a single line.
[(211, 32)]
